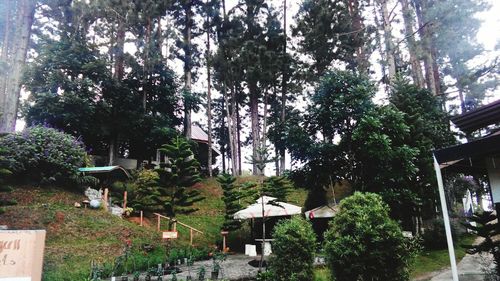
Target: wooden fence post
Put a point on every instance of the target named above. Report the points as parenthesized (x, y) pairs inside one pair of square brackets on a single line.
[(158, 222), (106, 191), (124, 200), (141, 217)]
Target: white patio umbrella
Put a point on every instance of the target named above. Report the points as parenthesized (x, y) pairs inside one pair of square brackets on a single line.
[(272, 208)]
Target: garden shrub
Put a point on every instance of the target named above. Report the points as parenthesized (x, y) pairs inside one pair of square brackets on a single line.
[(434, 237), (43, 154), (293, 248), (364, 243)]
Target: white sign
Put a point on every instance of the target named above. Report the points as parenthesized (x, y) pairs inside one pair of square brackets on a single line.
[(21, 255), (169, 235)]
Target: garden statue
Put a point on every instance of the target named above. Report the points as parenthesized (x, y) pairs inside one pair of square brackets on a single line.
[(93, 194)]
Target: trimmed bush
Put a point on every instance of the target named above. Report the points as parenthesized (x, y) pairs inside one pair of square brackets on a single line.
[(434, 237), (43, 154), (364, 243), (293, 248)]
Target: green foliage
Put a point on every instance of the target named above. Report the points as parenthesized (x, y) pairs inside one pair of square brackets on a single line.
[(486, 227), (143, 192), (434, 237), (4, 173), (180, 173), (428, 129), (231, 198), (43, 154), (74, 86), (385, 164), (363, 243), (277, 187), (328, 34), (293, 248), (471, 80), (338, 105)]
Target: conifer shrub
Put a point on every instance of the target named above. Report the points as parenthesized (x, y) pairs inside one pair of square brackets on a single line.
[(364, 243), (43, 154), (293, 250)]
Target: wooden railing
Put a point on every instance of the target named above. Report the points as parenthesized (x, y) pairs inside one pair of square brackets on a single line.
[(174, 227)]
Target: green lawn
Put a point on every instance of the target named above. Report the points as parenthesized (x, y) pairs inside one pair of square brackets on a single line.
[(432, 260)]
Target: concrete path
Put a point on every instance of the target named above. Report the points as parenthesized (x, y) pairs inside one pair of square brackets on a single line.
[(235, 267), (470, 268)]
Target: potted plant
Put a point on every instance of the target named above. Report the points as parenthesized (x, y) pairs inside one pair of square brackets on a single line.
[(189, 263), (217, 259), (136, 276), (215, 271), (201, 274)]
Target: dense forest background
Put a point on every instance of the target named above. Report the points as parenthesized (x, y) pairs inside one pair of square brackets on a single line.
[(126, 76)]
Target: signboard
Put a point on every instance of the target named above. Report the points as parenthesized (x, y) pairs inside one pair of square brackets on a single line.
[(168, 235), (21, 255)]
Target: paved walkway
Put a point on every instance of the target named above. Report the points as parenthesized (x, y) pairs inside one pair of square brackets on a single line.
[(470, 268), (235, 267)]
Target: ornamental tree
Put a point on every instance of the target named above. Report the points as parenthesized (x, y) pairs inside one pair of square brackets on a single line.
[(364, 243), (180, 173)]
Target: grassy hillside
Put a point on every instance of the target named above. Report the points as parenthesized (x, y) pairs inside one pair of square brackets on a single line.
[(78, 236)]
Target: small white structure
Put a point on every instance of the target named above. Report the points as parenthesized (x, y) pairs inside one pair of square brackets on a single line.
[(325, 211), (272, 208), (250, 250)]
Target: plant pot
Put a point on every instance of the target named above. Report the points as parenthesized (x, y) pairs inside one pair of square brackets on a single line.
[(147, 278), (214, 275)]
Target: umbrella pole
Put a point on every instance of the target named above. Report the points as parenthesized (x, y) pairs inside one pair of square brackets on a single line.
[(263, 237)]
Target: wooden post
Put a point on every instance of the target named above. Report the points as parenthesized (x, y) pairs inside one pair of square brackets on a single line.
[(141, 217), (224, 235), (106, 191), (124, 200), (175, 226), (191, 236), (224, 243), (158, 222)]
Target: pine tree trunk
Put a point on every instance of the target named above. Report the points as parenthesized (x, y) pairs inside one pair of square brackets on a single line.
[(234, 121), (238, 136), (145, 69), (209, 100), (120, 44), (231, 130), (389, 44), (4, 55), (254, 117), (425, 33), (280, 166), (461, 97), (378, 40), (416, 69), (118, 75), (230, 114), (21, 41), (358, 27), (187, 72)]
